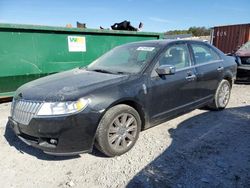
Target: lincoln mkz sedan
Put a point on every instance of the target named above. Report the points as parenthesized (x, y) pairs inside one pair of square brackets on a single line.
[(129, 89)]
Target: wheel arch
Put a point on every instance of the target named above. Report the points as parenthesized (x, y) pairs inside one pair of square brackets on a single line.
[(229, 78), (132, 103)]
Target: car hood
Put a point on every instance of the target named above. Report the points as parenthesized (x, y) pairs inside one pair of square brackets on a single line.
[(243, 53), (67, 86)]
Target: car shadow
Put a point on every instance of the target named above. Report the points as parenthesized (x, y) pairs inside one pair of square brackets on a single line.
[(14, 141), (241, 83), (95, 152), (208, 150), (5, 100)]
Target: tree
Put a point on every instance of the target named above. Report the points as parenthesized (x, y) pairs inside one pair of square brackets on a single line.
[(195, 31), (199, 31)]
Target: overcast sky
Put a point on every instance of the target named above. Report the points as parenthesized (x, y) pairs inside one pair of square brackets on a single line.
[(157, 15)]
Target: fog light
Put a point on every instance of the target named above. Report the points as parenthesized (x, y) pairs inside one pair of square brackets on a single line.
[(53, 141)]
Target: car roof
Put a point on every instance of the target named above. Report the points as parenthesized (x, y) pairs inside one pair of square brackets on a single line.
[(164, 41)]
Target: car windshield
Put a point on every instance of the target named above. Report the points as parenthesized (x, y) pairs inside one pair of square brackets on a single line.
[(245, 46), (127, 59)]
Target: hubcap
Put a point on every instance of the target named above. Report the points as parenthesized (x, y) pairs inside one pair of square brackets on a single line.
[(122, 131), (224, 95)]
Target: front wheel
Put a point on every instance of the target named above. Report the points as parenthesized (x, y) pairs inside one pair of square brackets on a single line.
[(222, 96), (118, 130)]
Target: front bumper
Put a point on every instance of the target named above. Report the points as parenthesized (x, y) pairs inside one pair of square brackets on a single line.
[(59, 135), (243, 73)]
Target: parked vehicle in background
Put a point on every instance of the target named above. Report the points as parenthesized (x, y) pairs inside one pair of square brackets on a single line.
[(243, 60), (131, 88), (230, 38), (233, 40)]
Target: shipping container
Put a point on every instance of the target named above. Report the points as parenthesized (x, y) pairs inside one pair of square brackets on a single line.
[(28, 52), (230, 37)]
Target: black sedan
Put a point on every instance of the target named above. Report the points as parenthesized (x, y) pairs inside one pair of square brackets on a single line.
[(129, 89)]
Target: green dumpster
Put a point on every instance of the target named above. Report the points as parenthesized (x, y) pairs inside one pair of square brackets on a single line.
[(28, 52)]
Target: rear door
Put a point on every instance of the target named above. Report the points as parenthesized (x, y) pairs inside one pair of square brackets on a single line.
[(209, 69)]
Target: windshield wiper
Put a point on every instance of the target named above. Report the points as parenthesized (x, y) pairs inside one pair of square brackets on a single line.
[(120, 72), (107, 71), (102, 70)]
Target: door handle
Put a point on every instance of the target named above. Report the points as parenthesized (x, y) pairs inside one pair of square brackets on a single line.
[(191, 77), (220, 68)]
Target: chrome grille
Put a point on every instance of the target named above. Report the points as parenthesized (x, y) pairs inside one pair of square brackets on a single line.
[(23, 111)]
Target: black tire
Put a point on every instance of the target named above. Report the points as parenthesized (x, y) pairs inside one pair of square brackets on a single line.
[(118, 130), (222, 96)]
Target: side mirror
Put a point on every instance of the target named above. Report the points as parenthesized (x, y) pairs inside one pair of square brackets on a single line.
[(165, 69)]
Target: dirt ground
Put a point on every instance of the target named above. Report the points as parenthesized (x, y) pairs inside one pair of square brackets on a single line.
[(199, 149)]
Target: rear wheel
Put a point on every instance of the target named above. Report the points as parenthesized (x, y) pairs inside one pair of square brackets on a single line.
[(118, 130), (222, 96)]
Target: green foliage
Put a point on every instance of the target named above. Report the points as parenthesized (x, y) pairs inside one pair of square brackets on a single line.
[(195, 31)]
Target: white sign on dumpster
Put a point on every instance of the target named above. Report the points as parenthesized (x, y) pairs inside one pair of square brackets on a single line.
[(76, 44)]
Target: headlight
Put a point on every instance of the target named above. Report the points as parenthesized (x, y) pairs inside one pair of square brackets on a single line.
[(60, 108)]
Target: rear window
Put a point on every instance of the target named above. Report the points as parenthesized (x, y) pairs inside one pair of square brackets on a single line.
[(204, 53)]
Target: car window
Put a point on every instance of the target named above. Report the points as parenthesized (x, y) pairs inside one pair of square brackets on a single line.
[(245, 46), (177, 55), (204, 53)]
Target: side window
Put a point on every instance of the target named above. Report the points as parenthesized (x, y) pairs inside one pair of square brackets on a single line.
[(177, 55), (204, 53)]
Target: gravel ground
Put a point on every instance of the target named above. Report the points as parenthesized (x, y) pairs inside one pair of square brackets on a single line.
[(199, 149)]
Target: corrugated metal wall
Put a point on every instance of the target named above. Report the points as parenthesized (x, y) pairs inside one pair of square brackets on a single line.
[(229, 38)]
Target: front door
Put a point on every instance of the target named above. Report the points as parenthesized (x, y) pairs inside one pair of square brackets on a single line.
[(170, 94)]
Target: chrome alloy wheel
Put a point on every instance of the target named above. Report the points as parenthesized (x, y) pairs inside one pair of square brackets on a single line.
[(224, 95), (122, 132)]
